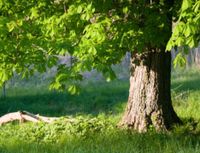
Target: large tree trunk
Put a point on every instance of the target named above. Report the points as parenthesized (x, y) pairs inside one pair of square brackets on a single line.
[(149, 100)]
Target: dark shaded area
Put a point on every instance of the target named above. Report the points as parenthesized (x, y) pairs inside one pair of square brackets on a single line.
[(192, 84), (94, 98)]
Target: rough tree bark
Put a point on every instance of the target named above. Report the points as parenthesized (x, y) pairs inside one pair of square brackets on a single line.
[(149, 100)]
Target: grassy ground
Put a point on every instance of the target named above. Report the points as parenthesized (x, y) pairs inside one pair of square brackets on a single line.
[(97, 110)]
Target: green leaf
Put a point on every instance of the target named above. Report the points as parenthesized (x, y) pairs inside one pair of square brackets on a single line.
[(196, 7), (34, 13), (4, 75), (62, 77), (180, 60), (186, 4), (92, 50), (190, 42), (187, 30), (73, 89), (180, 41), (169, 45), (11, 25), (125, 10), (79, 9), (190, 29), (55, 85)]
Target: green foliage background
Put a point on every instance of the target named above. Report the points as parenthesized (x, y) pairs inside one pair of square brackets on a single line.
[(97, 34)]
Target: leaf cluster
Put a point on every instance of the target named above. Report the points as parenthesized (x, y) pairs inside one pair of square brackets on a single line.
[(95, 34), (186, 32)]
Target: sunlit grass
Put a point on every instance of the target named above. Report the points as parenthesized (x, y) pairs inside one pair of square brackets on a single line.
[(105, 102)]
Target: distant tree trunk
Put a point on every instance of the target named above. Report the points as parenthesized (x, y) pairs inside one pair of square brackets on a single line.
[(4, 90), (189, 59), (149, 100), (196, 52), (193, 57)]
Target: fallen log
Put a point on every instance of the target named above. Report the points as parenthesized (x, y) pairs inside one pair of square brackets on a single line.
[(23, 116)]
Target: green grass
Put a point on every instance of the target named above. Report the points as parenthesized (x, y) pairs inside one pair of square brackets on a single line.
[(116, 142), (186, 93), (97, 110), (94, 98)]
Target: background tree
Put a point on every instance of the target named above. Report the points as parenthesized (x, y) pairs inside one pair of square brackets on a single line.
[(97, 34)]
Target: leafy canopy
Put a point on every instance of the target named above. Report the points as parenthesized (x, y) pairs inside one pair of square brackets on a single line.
[(186, 33), (97, 34), (187, 30)]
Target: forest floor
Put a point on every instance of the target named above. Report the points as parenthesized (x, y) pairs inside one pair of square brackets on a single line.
[(97, 110)]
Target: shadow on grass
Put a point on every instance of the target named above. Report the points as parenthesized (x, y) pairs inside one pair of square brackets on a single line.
[(192, 84), (93, 99), (186, 79)]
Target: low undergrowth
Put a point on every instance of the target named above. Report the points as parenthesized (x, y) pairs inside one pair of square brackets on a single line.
[(94, 135), (94, 114), (80, 127)]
